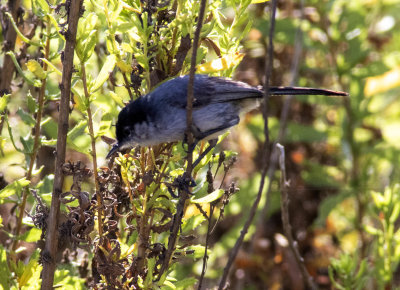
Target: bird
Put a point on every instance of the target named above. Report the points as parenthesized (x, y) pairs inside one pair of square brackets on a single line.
[(160, 116)]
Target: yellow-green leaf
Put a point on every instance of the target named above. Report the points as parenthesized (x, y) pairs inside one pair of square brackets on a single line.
[(382, 83), (104, 72), (36, 69), (124, 67), (209, 197), (117, 99), (13, 188), (219, 64)]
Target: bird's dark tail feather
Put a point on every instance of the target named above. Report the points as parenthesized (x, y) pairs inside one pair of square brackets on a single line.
[(281, 91)]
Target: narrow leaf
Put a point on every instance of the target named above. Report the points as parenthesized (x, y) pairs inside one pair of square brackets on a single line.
[(35, 83), (14, 187), (104, 73), (210, 197)]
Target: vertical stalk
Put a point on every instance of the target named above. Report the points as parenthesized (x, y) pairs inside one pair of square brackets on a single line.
[(265, 152), (36, 142), (93, 153), (10, 35), (184, 194), (50, 251)]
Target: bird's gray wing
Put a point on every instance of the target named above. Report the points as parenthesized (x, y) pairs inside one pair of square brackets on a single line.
[(211, 90), (207, 90)]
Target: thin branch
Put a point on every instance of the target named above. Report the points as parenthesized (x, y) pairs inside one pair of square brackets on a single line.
[(127, 86), (50, 251), (307, 279), (7, 71), (36, 141), (94, 155), (10, 35), (254, 207), (184, 194), (273, 162), (208, 236)]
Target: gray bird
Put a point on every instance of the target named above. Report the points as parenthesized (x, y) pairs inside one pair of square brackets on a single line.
[(160, 116)]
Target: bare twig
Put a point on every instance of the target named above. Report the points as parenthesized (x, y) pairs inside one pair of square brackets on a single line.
[(7, 71), (307, 279), (273, 162), (94, 155), (51, 246), (254, 207), (184, 194), (36, 142), (208, 235)]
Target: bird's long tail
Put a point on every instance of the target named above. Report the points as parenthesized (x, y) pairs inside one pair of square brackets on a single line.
[(279, 91)]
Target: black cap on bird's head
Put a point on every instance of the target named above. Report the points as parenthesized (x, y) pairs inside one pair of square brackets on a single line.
[(131, 114)]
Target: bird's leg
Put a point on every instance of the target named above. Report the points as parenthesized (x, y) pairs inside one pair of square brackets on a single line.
[(196, 131), (198, 135), (211, 144)]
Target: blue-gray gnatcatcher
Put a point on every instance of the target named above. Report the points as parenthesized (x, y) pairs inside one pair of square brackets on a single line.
[(160, 116)]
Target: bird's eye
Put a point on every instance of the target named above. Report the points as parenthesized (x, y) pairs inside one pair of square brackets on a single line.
[(127, 131)]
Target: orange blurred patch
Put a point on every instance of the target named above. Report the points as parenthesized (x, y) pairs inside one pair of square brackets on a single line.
[(254, 34), (278, 258), (297, 156)]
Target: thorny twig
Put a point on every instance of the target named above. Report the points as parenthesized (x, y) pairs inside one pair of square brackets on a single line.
[(254, 207), (307, 279)]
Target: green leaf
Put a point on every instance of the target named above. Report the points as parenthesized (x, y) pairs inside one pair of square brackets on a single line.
[(89, 45), (42, 4), (32, 104), (78, 130), (105, 126), (55, 24), (104, 73), (28, 274), (5, 274), (3, 102), (11, 135), (35, 83), (117, 99), (87, 37), (33, 235), (14, 187), (52, 66), (23, 38), (185, 283), (51, 142), (26, 118), (68, 280), (27, 143), (209, 197), (36, 69), (199, 251), (78, 139)]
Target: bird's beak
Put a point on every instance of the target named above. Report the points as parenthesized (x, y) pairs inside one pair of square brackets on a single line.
[(114, 149)]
